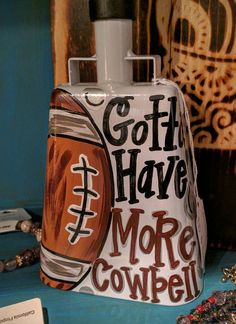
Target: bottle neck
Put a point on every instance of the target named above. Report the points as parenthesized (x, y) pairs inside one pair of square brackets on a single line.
[(113, 41)]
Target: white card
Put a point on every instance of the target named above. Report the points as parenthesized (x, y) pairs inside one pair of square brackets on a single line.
[(26, 312), (10, 217)]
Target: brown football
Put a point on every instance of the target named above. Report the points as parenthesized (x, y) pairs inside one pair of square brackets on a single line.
[(78, 191)]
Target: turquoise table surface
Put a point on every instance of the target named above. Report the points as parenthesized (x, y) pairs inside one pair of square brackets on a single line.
[(70, 307)]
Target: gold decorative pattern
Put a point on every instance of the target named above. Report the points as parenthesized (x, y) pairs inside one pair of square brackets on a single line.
[(200, 42)]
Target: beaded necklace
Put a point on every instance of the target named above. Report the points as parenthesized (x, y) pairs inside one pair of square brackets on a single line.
[(26, 257), (218, 308)]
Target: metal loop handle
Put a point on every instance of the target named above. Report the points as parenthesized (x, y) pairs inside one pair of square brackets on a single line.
[(156, 61), (74, 70)]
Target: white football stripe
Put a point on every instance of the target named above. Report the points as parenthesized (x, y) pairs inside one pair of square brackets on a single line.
[(69, 124)]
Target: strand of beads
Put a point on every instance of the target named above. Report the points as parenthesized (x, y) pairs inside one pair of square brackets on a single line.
[(22, 259), (229, 273), (26, 257), (218, 308), (27, 226)]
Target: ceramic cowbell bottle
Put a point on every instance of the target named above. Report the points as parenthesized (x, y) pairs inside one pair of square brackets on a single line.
[(122, 216)]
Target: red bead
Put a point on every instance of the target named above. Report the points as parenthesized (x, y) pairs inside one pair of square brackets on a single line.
[(211, 300), (200, 308), (190, 317)]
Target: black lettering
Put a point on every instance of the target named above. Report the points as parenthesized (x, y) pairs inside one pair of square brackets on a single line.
[(181, 134), (164, 181), (123, 107), (171, 125), (130, 172), (145, 179), (155, 121), (143, 135), (180, 179)]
